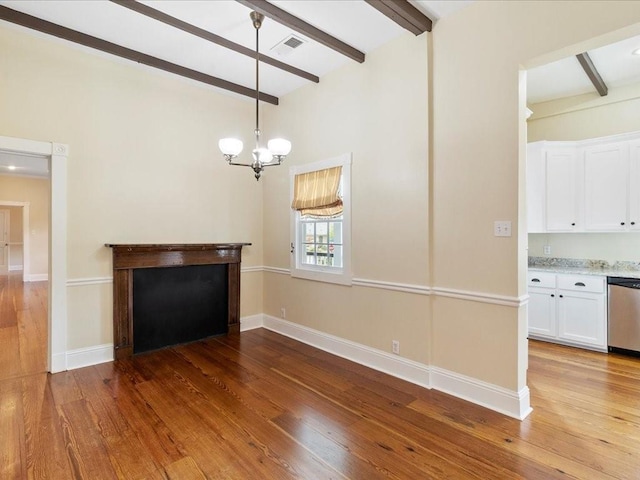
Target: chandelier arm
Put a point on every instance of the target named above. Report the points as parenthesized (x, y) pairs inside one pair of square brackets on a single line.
[(273, 164), (239, 164)]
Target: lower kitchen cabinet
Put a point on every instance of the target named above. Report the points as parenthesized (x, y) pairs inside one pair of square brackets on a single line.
[(569, 309)]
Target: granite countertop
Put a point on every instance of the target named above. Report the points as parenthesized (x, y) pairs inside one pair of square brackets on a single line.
[(585, 267)]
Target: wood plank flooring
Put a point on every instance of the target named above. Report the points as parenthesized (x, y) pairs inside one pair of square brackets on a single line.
[(263, 406)]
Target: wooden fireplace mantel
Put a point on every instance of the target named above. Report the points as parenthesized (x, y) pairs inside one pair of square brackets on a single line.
[(128, 257)]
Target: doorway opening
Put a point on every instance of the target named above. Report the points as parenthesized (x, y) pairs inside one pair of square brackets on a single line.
[(55, 233)]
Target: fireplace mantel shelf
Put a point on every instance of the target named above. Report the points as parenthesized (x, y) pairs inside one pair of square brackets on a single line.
[(127, 257)]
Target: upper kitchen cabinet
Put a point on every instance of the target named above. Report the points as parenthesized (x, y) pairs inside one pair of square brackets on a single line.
[(553, 182), (606, 187), (584, 186)]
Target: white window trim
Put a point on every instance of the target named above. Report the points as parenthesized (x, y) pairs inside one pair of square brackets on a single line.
[(342, 276)]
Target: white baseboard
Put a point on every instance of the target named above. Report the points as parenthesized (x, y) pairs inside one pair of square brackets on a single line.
[(85, 357), (403, 368), (58, 362), (508, 402), (251, 322), (37, 277), (15, 268)]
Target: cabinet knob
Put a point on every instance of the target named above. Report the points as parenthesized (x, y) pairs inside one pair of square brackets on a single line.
[(552, 295), (573, 224), (633, 223), (561, 296), (621, 223)]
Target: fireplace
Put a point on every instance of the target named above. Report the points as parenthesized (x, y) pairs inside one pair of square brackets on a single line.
[(169, 294)]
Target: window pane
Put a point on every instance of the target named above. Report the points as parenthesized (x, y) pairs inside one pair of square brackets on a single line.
[(335, 232), (322, 232), (308, 232), (335, 256), (309, 255), (322, 251)]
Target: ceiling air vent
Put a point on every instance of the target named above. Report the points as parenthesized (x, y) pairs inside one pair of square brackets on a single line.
[(288, 45)]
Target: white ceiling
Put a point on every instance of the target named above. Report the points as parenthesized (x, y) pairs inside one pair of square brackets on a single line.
[(352, 21), (564, 78)]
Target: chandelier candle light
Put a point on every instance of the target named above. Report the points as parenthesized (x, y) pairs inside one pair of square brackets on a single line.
[(277, 148)]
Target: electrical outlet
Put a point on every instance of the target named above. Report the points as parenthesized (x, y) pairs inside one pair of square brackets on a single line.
[(502, 228), (283, 312), (395, 347), (547, 249)]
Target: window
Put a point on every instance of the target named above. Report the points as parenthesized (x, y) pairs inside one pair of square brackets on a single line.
[(321, 220)]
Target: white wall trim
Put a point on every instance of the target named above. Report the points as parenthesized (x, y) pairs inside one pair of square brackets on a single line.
[(80, 282), (251, 269), (400, 367), (399, 287), (281, 271), (512, 403), (37, 277), (251, 322), (481, 297), (426, 290), (85, 357)]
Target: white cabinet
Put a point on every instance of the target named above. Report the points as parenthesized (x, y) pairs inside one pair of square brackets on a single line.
[(584, 186), (561, 178), (569, 309), (606, 187)]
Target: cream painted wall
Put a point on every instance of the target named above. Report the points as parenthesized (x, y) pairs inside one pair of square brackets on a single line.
[(378, 111), (478, 156), (144, 165), (580, 118), (36, 192)]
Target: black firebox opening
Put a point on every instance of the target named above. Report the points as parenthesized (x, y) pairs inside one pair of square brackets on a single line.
[(173, 305)]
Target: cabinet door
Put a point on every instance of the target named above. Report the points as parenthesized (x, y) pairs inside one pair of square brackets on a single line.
[(582, 318), (542, 312), (561, 179), (634, 185), (606, 176)]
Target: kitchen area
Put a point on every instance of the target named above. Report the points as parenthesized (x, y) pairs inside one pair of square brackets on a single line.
[(583, 202)]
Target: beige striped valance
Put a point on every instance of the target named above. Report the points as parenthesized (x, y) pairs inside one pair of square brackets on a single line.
[(316, 193)]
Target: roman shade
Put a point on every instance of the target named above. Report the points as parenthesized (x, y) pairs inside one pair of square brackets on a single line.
[(317, 193)]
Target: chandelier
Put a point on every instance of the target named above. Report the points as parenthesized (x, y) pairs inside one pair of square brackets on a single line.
[(277, 148)]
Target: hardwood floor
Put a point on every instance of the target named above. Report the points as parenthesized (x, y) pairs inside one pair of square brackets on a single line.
[(263, 406)]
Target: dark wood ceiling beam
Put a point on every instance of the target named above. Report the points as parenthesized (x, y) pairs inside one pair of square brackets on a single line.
[(285, 18), (404, 14), (65, 33), (211, 37), (593, 74)]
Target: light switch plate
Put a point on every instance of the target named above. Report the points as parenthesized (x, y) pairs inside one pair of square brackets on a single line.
[(502, 228)]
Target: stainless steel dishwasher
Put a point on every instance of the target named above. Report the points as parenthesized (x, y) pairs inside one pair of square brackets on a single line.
[(624, 315)]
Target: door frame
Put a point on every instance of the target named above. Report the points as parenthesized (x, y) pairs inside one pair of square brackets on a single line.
[(57, 311), (5, 252)]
